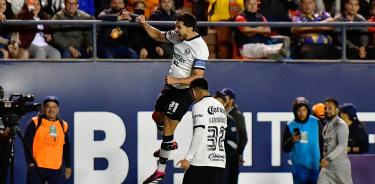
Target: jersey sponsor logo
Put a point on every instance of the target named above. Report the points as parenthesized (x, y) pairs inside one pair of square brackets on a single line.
[(179, 61), (212, 110), (216, 157)]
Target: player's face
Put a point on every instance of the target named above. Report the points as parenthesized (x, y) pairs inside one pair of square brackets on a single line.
[(51, 110), (182, 30), (330, 110), (302, 113)]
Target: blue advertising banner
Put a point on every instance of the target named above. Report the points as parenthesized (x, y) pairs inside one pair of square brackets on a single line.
[(109, 104)]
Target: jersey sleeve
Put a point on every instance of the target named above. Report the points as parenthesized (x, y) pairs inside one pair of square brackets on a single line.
[(200, 56), (172, 36), (198, 117)]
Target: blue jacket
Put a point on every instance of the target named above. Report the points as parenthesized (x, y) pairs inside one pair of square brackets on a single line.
[(305, 152)]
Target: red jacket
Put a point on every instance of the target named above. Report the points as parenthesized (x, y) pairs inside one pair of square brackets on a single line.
[(371, 29), (27, 33)]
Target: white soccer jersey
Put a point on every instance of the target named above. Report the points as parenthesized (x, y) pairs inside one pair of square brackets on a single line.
[(188, 55), (209, 123)]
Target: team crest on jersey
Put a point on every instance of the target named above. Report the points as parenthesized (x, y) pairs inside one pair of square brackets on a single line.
[(187, 51)]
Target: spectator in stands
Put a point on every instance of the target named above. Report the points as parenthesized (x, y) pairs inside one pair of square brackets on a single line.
[(358, 136), (16, 5), (73, 41), (318, 112), (101, 5), (224, 10), (150, 5), (255, 42), (51, 7), (302, 139), (356, 37), (35, 38), (113, 41), (371, 30), (4, 31), (140, 39), (165, 12), (9, 38), (278, 11), (200, 11), (313, 42), (334, 7)]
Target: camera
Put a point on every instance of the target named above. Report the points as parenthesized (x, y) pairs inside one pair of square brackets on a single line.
[(12, 109)]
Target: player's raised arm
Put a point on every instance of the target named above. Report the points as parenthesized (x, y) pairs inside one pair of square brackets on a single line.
[(154, 33)]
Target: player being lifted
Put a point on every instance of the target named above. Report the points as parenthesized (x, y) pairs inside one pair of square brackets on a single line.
[(188, 63)]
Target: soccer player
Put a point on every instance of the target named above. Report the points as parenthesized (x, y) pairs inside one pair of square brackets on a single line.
[(335, 163), (188, 63), (205, 160)]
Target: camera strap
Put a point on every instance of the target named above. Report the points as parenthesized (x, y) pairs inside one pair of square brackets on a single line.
[(40, 123)]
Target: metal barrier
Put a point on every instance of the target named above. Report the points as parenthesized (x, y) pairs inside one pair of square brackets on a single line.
[(96, 23)]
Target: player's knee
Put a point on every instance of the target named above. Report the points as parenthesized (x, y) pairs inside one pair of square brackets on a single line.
[(158, 118), (169, 146)]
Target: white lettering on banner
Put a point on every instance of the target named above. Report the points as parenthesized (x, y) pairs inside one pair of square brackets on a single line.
[(86, 149), (275, 118), (248, 151), (368, 117)]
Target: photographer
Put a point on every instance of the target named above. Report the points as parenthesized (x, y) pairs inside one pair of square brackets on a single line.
[(4, 152), (47, 137)]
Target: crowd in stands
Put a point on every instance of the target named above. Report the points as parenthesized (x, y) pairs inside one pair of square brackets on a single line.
[(132, 42)]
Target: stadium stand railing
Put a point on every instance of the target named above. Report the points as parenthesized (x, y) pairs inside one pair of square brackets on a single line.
[(96, 23)]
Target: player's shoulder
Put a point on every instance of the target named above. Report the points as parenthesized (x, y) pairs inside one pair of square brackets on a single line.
[(199, 49), (205, 102)]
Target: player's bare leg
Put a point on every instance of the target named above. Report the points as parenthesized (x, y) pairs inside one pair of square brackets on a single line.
[(166, 147)]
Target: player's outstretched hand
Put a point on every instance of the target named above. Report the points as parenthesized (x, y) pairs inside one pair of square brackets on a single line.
[(141, 19), (184, 164)]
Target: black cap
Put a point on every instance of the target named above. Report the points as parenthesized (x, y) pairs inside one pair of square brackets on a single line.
[(229, 92)]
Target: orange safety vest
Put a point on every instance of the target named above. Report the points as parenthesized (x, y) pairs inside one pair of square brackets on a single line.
[(48, 149)]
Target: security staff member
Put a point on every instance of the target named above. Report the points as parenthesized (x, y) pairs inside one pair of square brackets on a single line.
[(231, 145), (47, 137)]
